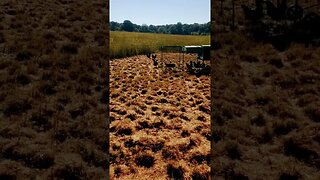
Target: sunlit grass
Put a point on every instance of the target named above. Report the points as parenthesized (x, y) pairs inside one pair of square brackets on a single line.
[(124, 44)]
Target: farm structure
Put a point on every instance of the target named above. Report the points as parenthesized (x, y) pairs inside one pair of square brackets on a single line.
[(196, 66)]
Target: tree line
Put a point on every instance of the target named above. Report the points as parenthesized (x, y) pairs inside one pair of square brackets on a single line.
[(179, 28)]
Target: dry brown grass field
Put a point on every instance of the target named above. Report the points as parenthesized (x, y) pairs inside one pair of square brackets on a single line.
[(265, 108), (53, 58), (266, 111), (160, 121), (53, 91)]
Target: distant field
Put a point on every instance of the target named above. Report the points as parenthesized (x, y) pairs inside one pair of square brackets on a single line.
[(124, 44)]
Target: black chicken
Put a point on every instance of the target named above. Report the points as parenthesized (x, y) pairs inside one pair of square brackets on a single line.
[(155, 62), (189, 65), (154, 59), (154, 56), (148, 55)]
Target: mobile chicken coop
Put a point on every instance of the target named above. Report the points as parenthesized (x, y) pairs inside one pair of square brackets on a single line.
[(195, 66)]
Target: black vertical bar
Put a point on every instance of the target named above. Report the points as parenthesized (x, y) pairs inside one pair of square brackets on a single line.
[(183, 60), (221, 7), (161, 49), (233, 15)]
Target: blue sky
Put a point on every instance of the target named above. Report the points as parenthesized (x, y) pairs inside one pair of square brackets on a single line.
[(160, 12)]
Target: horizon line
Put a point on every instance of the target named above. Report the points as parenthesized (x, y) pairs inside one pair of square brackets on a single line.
[(161, 24)]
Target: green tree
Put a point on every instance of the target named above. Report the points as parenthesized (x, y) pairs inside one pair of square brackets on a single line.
[(152, 29), (186, 29), (173, 29), (162, 30), (179, 28), (144, 28), (195, 28), (114, 26), (127, 26), (136, 28)]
